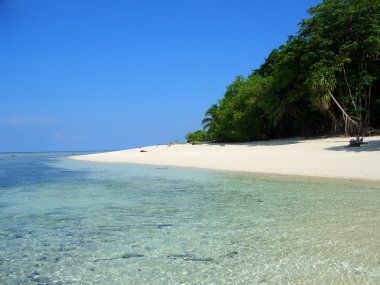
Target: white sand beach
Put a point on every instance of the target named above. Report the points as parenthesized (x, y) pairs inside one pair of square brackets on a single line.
[(327, 157)]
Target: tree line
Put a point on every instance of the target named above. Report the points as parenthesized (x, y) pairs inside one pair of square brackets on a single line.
[(324, 80)]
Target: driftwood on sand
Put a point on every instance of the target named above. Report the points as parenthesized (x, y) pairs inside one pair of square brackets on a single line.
[(356, 142)]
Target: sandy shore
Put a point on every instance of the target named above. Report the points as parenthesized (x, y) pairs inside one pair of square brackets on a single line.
[(318, 157)]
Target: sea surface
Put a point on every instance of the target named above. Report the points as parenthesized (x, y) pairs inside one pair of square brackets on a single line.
[(71, 222)]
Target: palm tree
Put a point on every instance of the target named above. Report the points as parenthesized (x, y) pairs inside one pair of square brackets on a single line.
[(209, 121)]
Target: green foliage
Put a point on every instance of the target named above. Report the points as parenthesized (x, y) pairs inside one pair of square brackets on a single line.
[(197, 136), (326, 79), (210, 122), (239, 114)]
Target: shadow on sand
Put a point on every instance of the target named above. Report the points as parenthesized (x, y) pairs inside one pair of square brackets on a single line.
[(256, 143), (371, 146)]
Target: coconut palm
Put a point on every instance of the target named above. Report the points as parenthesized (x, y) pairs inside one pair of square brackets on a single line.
[(209, 121)]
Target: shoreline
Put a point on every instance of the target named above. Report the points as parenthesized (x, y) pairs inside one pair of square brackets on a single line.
[(323, 157)]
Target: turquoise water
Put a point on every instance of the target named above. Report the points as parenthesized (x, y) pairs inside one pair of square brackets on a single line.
[(70, 222)]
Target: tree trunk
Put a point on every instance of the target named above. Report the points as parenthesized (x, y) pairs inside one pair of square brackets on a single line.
[(350, 124)]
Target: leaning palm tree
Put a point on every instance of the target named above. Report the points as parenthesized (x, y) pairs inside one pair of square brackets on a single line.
[(209, 121)]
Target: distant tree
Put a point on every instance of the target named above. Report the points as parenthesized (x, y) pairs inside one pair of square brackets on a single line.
[(197, 136), (209, 122)]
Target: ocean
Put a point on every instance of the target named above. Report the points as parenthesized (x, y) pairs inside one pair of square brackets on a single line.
[(73, 222)]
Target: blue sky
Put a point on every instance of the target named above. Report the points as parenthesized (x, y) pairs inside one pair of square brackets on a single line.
[(95, 75)]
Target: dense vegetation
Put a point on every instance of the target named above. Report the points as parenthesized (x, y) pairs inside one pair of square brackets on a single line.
[(324, 80), (197, 136)]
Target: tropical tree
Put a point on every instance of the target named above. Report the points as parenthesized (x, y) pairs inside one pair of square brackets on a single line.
[(209, 122), (194, 137), (343, 39), (325, 79)]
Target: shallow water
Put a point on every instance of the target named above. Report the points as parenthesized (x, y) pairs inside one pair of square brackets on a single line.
[(72, 222)]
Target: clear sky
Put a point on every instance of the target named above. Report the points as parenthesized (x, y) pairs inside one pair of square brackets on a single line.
[(96, 75)]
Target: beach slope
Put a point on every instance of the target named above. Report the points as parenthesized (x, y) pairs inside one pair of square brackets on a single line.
[(329, 157)]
